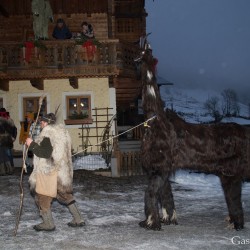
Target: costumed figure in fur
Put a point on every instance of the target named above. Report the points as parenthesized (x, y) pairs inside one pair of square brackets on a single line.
[(42, 13), (7, 127), (169, 143), (52, 176)]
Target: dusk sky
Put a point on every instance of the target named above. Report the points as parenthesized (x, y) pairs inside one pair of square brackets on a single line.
[(201, 42)]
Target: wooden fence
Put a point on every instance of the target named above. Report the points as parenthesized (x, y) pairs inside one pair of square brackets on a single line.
[(129, 163)]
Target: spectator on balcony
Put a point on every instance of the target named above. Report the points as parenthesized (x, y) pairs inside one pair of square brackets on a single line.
[(87, 30), (61, 31)]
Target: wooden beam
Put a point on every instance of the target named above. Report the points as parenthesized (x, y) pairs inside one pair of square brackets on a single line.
[(4, 85), (129, 95), (127, 84), (125, 98), (128, 87), (73, 81), (37, 83), (126, 79), (121, 91)]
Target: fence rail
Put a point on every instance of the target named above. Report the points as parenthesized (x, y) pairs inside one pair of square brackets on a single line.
[(130, 163)]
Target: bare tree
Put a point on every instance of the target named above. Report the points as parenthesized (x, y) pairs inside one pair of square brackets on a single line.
[(212, 107), (230, 103)]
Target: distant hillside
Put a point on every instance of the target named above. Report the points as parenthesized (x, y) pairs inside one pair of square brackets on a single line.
[(189, 103)]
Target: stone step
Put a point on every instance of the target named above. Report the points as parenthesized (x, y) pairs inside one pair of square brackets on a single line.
[(129, 145)]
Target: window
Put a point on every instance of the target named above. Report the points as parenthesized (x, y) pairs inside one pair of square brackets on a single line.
[(78, 109), (31, 105)]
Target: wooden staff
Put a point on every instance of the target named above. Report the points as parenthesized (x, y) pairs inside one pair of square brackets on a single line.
[(25, 153)]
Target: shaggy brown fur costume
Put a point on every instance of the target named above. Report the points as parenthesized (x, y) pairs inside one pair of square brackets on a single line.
[(7, 128), (169, 143)]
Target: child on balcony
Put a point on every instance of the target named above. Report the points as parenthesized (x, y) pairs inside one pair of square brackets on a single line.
[(87, 30)]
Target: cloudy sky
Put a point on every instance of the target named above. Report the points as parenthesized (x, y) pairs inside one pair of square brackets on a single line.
[(201, 42)]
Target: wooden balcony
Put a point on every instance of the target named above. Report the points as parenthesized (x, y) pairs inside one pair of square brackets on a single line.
[(66, 59), (63, 59)]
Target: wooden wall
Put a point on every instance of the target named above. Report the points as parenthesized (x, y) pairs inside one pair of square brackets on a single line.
[(129, 8), (126, 20), (19, 28), (23, 7)]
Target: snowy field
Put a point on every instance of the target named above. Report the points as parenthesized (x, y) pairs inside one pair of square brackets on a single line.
[(112, 209), (190, 104)]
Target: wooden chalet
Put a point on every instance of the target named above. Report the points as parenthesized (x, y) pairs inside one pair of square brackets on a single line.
[(102, 85)]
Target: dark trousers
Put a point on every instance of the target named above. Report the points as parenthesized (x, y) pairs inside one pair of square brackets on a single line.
[(44, 202), (10, 156)]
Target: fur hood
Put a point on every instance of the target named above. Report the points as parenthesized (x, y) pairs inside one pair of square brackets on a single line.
[(61, 158)]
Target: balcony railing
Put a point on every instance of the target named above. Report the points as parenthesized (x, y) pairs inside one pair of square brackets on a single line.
[(52, 59)]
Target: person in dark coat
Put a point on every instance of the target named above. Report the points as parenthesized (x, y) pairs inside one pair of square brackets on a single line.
[(61, 31), (6, 142)]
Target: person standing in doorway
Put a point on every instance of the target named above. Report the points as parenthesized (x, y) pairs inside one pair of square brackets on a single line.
[(25, 128)]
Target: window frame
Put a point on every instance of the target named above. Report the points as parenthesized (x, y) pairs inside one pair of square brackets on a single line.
[(1, 102), (78, 97), (35, 100), (21, 97)]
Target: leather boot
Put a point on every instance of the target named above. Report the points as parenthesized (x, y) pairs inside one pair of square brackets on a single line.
[(77, 218), (47, 224)]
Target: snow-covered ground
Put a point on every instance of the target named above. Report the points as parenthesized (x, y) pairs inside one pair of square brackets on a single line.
[(89, 162), (112, 209)]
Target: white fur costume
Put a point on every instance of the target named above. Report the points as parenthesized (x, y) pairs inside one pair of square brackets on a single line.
[(60, 160)]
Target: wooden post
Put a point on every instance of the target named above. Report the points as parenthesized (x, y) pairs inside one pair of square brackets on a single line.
[(96, 125)]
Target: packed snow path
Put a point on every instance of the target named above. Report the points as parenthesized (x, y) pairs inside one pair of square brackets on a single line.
[(112, 209)]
